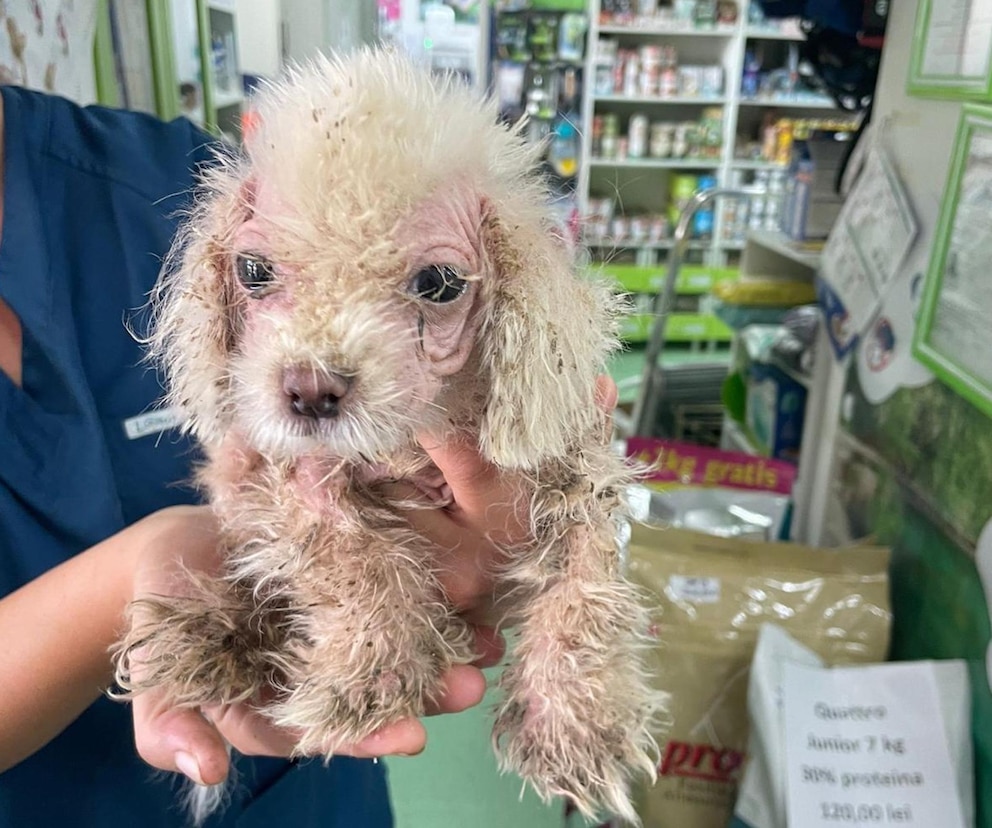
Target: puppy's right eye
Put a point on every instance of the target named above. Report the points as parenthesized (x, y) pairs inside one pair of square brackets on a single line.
[(255, 273)]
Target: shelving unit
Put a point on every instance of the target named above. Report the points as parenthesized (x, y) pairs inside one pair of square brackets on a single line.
[(721, 45), (641, 186), (538, 59)]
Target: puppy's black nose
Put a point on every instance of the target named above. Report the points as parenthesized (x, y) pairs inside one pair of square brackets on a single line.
[(314, 393)]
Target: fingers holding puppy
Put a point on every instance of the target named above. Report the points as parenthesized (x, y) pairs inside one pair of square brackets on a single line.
[(488, 512), (195, 743)]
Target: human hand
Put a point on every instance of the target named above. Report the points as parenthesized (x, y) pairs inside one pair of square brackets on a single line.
[(487, 511), (194, 742)]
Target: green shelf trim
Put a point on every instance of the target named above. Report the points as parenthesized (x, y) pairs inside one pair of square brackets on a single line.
[(681, 327), (692, 279)]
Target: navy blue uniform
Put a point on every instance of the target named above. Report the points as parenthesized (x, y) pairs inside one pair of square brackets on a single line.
[(91, 202)]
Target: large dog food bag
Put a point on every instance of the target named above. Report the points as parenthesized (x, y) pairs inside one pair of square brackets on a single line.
[(710, 597)]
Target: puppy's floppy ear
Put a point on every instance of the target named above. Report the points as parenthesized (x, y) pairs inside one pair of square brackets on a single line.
[(196, 307), (546, 335)]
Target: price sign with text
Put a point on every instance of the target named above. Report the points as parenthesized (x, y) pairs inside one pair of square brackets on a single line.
[(866, 746)]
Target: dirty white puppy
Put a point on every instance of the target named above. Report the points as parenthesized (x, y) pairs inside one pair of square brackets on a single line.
[(381, 263)]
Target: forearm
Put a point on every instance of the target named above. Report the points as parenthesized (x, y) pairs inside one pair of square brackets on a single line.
[(54, 638)]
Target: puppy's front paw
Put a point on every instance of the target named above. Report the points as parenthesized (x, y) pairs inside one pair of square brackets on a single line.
[(584, 737), (351, 687), (199, 652)]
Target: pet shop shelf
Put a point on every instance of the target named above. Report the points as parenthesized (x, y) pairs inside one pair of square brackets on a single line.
[(669, 31), (675, 100), (682, 328), (666, 96), (691, 280), (789, 102), (655, 164), (770, 166), (787, 33)]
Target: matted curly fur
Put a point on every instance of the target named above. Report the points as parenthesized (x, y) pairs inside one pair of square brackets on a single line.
[(381, 263)]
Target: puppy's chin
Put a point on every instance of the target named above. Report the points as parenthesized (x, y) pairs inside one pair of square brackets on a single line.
[(351, 436)]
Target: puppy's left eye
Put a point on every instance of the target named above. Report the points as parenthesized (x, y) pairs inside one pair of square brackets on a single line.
[(437, 283), (255, 273)]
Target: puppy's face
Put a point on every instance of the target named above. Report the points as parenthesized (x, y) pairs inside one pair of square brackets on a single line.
[(381, 235), (343, 347)]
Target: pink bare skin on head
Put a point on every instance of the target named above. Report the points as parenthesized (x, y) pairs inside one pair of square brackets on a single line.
[(284, 333), (445, 230)]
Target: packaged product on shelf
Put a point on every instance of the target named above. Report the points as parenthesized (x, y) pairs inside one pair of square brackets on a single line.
[(597, 222), (704, 489), (705, 13), (712, 81), (611, 136), (690, 81), (668, 80), (631, 73), (596, 138), (783, 142), (727, 12), (712, 595), (680, 141), (572, 36), (658, 230), (510, 79), (683, 186), (616, 12), (511, 38), (684, 12), (639, 228), (603, 80), (711, 130), (733, 220), (606, 50), (542, 37), (563, 151), (637, 135), (619, 228), (751, 79), (662, 138), (647, 8)]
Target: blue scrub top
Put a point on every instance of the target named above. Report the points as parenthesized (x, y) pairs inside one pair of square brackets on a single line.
[(91, 198)]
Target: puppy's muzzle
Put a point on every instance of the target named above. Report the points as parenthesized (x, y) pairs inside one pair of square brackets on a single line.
[(314, 394)]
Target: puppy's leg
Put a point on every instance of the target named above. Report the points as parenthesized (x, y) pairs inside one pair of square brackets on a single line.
[(372, 644), (210, 645), (577, 709)]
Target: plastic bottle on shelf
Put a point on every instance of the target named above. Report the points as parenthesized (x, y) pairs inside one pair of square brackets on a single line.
[(563, 154), (637, 135), (219, 56), (705, 14), (668, 77), (751, 80)]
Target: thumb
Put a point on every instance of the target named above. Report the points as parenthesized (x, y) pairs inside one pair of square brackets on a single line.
[(179, 739)]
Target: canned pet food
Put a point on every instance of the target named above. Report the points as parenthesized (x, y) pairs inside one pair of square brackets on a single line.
[(604, 84), (690, 81), (639, 228), (658, 230), (711, 81), (637, 136), (662, 135)]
